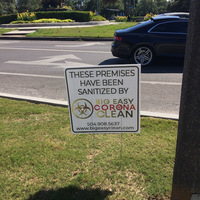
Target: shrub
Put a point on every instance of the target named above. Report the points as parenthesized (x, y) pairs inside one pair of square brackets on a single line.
[(137, 19), (6, 19), (121, 19), (52, 21), (92, 14), (79, 16), (43, 21), (26, 16), (67, 7), (148, 16), (98, 18)]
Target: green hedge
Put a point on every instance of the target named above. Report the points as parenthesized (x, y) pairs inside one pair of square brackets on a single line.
[(6, 19), (137, 19), (78, 16)]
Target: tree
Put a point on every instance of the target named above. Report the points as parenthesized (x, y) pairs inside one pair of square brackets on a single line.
[(153, 6), (129, 6), (81, 4), (144, 7), (69, 3), (186, 179), (159, 6), (7, 7), (1, 9), (30, 5), (109, 1), (91, 5), (50, 3), (179, 6), (113, 7)]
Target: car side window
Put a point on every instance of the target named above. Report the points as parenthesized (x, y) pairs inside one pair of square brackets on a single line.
[(170, 27)]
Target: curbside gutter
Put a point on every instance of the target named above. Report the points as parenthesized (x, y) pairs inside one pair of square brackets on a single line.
[(55, 38), (53, 102)]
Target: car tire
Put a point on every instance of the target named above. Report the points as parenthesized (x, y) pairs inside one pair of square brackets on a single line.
[(143, 55)]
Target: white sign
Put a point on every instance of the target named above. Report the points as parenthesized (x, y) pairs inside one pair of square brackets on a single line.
[(104, 99)]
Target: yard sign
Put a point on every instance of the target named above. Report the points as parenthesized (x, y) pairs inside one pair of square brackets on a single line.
[(104, 99)]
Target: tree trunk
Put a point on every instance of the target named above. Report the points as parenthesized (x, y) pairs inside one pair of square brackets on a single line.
[(186, 180)]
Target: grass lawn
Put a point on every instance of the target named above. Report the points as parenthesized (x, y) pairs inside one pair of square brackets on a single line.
[(96, 31), (4, 30), (41, 160)]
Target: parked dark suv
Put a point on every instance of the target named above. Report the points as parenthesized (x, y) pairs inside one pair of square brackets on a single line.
[(163, 35)]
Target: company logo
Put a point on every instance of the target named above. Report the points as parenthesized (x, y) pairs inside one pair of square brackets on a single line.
[(82, 108)]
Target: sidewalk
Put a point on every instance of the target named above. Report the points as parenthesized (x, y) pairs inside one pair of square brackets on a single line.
[(56, 25)]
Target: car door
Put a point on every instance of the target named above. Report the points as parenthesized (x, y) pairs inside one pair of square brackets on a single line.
[(169, 38)]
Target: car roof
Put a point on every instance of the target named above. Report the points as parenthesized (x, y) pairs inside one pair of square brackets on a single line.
[(159, 18), (179, 14), (146, 25), (163, 17)]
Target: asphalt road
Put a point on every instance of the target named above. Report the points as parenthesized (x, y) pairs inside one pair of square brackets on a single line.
[(36, 69)]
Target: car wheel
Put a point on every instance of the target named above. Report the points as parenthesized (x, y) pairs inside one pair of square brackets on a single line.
[(143, 55)]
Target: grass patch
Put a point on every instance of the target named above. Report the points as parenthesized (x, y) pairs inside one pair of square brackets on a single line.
[(96, 31), (41, 160), (4, 30)]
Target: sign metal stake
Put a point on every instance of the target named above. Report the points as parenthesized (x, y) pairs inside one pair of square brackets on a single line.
[(121, 151), (94, 149)]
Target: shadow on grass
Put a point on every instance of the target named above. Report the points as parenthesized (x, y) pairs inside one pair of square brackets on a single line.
[(71, 193)]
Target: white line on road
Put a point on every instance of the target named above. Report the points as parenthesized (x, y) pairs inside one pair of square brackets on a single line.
[(60, 50), (30, 75), (161, 83), (61, 77), (81, 45), (33, 63), (49, 60), (55, 65), (8, 42)]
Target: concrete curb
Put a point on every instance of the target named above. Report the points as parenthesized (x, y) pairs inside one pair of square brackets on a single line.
[(65, 104), (55, 38)]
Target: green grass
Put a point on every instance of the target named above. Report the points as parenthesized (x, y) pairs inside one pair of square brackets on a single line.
[(41, 160), (4, 30), (96, 31)]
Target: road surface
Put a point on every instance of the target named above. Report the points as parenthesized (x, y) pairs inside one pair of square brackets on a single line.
[(36, 69)]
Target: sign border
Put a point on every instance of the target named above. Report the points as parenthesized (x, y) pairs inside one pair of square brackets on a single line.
[(103, 67)]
